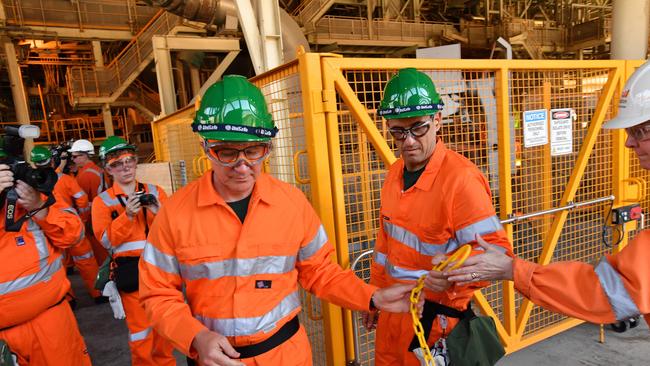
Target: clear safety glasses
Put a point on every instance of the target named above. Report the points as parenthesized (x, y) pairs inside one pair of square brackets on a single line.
[(123, 162), (228, 155), (417, 130), (639, 132)]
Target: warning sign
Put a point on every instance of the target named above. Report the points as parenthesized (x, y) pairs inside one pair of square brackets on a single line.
[(561, 132), (535, 128)]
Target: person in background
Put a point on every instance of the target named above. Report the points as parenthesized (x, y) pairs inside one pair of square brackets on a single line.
[(122, 216)]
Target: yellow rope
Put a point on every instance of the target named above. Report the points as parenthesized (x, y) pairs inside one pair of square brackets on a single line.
[(459, 256)]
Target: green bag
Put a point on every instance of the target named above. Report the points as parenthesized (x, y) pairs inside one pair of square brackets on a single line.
[(5, 355), (103, 274), (474, 341)]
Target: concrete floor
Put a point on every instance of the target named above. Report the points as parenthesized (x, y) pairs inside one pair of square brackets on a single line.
[(107, 345)]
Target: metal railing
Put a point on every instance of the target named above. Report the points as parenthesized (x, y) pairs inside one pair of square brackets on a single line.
[(89, 81)]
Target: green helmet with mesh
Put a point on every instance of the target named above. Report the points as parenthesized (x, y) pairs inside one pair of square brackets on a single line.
[(113, 144), (233, 109), (409, 93), (40, 155)]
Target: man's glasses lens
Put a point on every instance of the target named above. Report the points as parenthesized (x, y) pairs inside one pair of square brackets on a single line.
[(418, 130), (230, 155), (640, 132)]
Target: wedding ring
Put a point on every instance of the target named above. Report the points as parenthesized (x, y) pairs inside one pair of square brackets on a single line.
[(474, 275)]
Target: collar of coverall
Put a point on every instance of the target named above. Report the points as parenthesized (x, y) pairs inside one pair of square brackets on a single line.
[(117, 190), (425, 182), (263, 191)]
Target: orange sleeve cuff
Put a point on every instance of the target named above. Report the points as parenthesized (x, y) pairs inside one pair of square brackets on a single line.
[(370, 290), (185, 337), (522, 273)]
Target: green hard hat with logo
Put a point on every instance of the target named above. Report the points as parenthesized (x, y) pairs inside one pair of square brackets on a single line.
[(40, 155), (113, 144), (409, 93), (233, 109)]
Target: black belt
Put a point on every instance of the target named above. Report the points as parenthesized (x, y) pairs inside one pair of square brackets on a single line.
[(429, 313), (287, 331)]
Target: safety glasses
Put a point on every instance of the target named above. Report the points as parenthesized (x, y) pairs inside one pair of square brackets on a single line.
[(417, 130), (123, 162), (228, 155), (639, 132)]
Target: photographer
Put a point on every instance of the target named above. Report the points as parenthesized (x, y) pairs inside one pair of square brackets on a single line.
[(121, 218), (91, 179), (36, 323), (67, 191)]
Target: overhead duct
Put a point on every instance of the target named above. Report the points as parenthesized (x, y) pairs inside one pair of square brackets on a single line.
[(219, 12)]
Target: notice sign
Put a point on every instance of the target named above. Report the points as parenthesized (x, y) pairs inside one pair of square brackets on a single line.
[(535, 128), (561, 132)]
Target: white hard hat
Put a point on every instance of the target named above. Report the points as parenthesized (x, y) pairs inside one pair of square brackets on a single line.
[(634, 106), (83, 146)]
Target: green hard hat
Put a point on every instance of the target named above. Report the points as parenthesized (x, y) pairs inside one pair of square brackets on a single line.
[(409, 93), (233, 109), (113, 144), (40, 155)]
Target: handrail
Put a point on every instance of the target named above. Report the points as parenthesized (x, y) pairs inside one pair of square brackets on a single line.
[(135, 38)]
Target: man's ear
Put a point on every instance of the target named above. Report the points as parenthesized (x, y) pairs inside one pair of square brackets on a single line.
[(437, 121)]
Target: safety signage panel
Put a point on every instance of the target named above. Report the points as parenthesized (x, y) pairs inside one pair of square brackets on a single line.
[(535, 128), (561, 132)]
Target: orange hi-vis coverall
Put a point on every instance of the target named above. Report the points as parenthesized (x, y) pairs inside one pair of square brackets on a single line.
[(125, 237), (91, 179), (444, 209), (35, 322), (616, 288), (67, 190), (241, 280)]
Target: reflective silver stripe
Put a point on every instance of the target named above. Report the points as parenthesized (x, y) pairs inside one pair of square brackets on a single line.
[(79, 194), (238, 267), (483, 227), (153, 190), (166, 262), (21, 283), (380, 258), (86, 255), (131, 245), (85, 209), (40, 241), (108, 201), (106, 243), (395, 271), (621, 301), (141, 335), (247, 326), (319, 240), (411, 240), (97, 173)]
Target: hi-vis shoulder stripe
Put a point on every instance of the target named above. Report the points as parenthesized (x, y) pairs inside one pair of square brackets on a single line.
[(620, 299)]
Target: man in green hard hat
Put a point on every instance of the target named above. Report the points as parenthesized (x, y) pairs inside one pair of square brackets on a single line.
[(239, 242), (433, 201)]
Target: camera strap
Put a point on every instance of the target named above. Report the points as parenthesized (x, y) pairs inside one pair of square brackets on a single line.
[(120, 198), (13, 225)]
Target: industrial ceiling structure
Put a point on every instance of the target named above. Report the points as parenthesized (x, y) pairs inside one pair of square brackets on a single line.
[(139, 59)]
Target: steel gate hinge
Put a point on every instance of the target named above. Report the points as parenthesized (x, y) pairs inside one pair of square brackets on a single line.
[(329, 100)]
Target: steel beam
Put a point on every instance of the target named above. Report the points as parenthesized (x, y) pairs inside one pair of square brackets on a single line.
[(164, 75), (108, 119), (62, 33)]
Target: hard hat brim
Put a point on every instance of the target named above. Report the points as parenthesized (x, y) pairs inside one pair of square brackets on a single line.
[(624, 122)]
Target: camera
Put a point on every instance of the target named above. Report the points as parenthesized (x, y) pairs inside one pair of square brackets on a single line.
[(147, 199), (60, 153), (43, 180)]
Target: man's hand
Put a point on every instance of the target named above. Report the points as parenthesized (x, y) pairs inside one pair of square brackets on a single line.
[(369, 319), (396, 298), (492, 265), (436, 281), (215, 350), (6, 177), (29, 197), (133, 205)]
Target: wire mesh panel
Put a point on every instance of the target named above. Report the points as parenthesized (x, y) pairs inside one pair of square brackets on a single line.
[(471, 127), (288, 163), (540, 179)]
